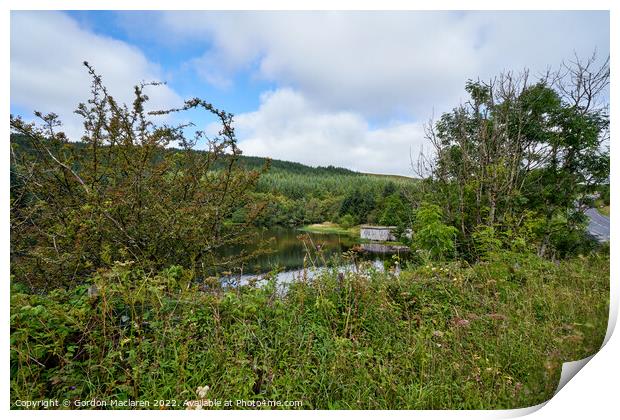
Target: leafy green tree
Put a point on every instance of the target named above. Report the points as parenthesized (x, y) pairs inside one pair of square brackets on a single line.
[(604, 192), (518, 146), (486, 241), (395, 213), (389, 189), (359, 204)]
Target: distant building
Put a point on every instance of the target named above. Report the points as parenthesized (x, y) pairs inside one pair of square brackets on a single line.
[(377, 233)]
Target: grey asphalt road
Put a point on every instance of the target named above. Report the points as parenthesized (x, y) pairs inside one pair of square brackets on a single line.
[(598, 226)]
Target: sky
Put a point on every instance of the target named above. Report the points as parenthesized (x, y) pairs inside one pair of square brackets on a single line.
[(349, 89)]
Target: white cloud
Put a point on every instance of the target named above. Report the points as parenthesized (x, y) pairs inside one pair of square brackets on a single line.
[(351, 88), (335, 71), (381, 63), (47, 75), (288, 126)]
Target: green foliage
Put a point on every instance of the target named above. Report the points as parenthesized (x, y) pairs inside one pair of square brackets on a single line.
[(567, 236), (431, 234), (604, 191), (359, 203), (486, 241), (298, 194), (518, 148), (123, 193), (441, 336), (347, 221), (395, 212)]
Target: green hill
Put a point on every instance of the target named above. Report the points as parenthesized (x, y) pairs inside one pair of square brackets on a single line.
[(299, 194)]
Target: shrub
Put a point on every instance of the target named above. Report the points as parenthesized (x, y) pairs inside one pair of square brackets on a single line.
[(347, 221), (133, 189), (431, 234)]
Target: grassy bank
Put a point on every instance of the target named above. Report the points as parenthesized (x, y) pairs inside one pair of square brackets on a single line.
[(334, 228), (491, 335), (604, 210), (329, 227)]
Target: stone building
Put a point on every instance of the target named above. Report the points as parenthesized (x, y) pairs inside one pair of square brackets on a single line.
[(377, 233)]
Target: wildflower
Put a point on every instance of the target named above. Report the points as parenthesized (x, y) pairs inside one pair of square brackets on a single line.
[(93, 291), (459, 322), (202, 391), (518, 387)]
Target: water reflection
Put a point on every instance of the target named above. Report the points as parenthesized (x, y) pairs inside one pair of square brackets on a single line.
[(295, 258), (375, 248)]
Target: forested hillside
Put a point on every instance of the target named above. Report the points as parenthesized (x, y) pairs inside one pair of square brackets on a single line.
[(297, 194), (300, 195)]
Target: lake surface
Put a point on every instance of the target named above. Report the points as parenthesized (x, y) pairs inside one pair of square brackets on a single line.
[(289, 248)]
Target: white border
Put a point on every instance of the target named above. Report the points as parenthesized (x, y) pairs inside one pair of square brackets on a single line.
[(592, 393)]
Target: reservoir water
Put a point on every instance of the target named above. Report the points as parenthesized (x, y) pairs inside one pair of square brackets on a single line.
[(291, 251)]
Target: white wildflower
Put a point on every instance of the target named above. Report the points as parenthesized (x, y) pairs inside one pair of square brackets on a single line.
[(202, 391)]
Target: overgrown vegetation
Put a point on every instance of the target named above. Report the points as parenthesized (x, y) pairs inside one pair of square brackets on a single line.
[(122, 196), (520, 159), (115, 241), (491, 335)]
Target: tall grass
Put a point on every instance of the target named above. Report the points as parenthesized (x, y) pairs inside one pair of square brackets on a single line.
[(491, 335)]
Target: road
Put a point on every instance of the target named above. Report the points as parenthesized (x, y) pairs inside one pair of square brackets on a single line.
[(598, 226)]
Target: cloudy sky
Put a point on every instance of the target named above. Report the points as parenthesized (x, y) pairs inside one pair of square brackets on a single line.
[(350, 89)]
